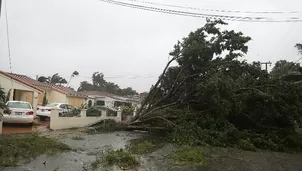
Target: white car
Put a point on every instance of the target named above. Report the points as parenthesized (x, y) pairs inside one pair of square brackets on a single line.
[(45, 111), (18, 112)]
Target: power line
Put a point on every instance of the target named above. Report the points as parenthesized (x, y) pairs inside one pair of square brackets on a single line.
[(217, 10), (199, 15)]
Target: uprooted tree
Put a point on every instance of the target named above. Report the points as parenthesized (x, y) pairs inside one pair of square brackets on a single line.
[(217, 98)]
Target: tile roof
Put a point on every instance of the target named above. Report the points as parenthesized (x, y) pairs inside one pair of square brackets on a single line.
[(21, 80), (59, 88)]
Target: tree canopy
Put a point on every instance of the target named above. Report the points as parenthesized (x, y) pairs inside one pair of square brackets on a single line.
[(100, 84), (54, 79)]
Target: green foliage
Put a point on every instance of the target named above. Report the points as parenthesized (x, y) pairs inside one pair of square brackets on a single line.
[(120, 158), (283, 68), (55, 79), (225, 101), (127, 111), (26, 147), (246, 145), (189, 155)]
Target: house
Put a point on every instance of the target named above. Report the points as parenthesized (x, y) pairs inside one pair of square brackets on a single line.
[(54, 93), (20, 90), (109, 100)]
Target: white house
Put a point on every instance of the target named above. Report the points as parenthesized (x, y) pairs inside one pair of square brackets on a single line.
[(109, 100), (20, 90)]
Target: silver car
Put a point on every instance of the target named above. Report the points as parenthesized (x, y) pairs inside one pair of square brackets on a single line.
[(45, 111), (18, 112)]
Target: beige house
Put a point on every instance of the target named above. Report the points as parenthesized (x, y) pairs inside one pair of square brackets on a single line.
[(54, 93), (20, 90)]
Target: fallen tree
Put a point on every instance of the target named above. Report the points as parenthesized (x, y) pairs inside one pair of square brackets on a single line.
[(216, 97)]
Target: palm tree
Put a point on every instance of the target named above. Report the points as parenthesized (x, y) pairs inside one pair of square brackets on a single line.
[(55, 79), (75, 73)]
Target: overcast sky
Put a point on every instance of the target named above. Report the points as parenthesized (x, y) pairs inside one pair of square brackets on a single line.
[(129, 46)]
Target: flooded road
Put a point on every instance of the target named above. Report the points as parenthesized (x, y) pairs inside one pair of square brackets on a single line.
[(23, 128), (87, 149)]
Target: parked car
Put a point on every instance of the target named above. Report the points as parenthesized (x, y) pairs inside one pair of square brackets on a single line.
[(18, 112), (45, 111)]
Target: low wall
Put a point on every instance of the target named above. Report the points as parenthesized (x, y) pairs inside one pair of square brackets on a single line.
[(57, 122)]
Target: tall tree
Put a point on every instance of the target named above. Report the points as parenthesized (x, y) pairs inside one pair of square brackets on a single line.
[(98, 80), (283, 68)]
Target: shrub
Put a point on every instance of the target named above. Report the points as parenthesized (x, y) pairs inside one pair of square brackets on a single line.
[(189, 155), (121, 158)]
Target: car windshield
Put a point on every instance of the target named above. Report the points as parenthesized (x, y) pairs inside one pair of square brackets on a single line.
[(51, 105), (18, 105)]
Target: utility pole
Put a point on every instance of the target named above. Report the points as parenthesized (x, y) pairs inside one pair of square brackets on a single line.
[(266, 63), (0, 7)]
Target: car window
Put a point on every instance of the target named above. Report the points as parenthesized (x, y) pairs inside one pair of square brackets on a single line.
[(70, 107), (63, 106), (19, 105), (51, 105)]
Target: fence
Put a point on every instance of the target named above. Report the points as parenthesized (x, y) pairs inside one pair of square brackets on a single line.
[(57, 122)]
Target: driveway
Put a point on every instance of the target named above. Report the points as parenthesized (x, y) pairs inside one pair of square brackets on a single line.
[(22, 128)]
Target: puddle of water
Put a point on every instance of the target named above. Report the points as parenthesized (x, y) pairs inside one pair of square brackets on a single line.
[(84, 152)]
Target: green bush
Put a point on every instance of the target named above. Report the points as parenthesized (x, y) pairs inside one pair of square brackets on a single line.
[(26, 147), (121, 158), (246, 145)]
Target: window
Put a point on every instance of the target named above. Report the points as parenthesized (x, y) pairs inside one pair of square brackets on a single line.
[(89, 103), (19, 105), (51, 105), (63, 106), (100, 103)]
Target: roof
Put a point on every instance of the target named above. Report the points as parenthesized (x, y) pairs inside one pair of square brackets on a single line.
[(101, 93), (29, 81), (21, 81)]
